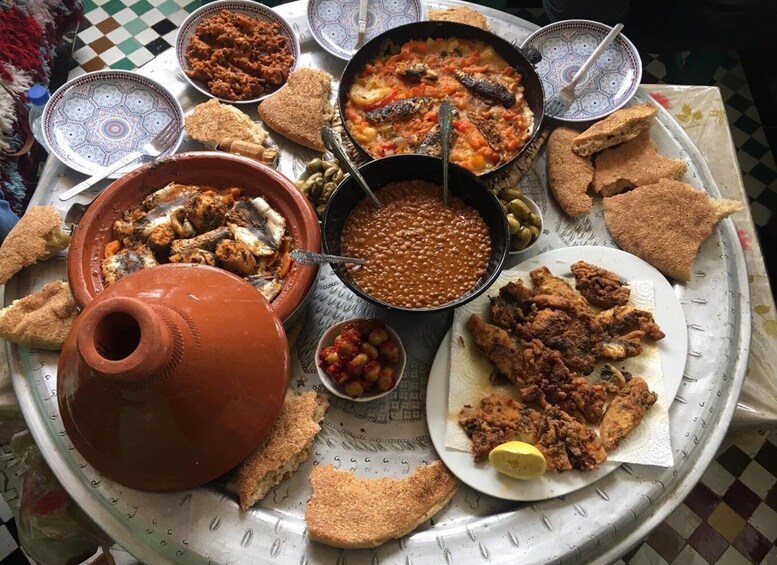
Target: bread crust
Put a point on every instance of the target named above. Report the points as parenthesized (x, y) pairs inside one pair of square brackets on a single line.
[(299, 109), (212, 122), (569, 174), (348, 512), (460, 14), (620, 126), (37, 236), (633, 163), (40, 320), (286, 448), (664, 223)]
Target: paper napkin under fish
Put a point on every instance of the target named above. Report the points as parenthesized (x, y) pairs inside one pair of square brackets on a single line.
[(470, 379)]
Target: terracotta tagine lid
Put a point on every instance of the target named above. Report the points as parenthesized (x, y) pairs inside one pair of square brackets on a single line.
[(172, 376)]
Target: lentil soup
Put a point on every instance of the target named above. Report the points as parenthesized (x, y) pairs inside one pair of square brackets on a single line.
[(418, 252)]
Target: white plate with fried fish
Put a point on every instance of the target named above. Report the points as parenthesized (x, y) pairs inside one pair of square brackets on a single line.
[(672, 350)]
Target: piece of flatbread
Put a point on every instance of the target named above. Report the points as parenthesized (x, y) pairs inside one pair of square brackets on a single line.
[(299, 109), (40, 320), (212, 122), (286, 448), (620, 126), (348, 512), (36, 237), (569, 174), (459, 14), (633, 163), (665, 223)]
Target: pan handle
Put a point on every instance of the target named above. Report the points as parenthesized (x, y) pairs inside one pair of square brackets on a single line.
[(531, 53)]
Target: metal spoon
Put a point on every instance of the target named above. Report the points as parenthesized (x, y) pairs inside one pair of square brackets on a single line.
[(305, 257), (444, 119), (332, 142)]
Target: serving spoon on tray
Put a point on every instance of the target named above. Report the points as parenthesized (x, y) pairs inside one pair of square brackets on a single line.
[(332, 142), (305, 257)]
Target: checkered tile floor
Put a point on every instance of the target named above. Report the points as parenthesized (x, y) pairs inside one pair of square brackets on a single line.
[(730, 518)]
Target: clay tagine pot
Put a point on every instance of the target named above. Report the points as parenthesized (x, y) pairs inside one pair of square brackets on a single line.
[(172, 376), (202, 168)]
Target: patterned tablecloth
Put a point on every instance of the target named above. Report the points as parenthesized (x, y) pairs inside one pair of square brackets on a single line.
[(701, 113)]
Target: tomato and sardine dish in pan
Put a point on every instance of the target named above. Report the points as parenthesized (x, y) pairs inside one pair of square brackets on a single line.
[(199, 224), (392, 105)]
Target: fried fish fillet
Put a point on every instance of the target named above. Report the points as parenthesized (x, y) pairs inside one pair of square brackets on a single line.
[(37, 236), (573, 335), (285, 449), (499, 347), (345, 511), (546, 283), (665, 223), (622, 320), (625, 412), (600, 287), (568, 444), (497, 420)]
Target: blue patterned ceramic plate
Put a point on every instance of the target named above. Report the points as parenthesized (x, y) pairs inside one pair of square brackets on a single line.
[(335, 23), (98, 118), (246, 7), (610, 83)]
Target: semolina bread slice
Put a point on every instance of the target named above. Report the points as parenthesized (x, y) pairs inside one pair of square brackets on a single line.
[(299, 109), (665, 223), (460, 14), (620, 126), (348, 512), (37, 236), (633, 163), (212, 122), (569, 174), (287, 447), (40, 320)]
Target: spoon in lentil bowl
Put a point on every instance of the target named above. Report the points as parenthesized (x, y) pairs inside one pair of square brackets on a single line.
[(332, 142), (305, 257)]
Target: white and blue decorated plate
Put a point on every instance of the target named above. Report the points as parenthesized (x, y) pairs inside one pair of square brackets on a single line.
[(335, 23), (98, 118), (610, 83)]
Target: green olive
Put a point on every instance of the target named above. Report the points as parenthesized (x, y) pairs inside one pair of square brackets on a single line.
[(338, 176), (520, 209), (300, 183), (535, 232), (513, 224), (320, 209), (534, 219), (329, 188), (510, 193), (330, 173), (521, 239), (315, 176), (314, 166)]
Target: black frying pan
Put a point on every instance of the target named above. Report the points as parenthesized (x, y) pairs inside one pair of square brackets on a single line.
[(533, 92)]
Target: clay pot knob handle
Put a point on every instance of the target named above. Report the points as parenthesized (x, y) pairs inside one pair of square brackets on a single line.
[(124, 339)]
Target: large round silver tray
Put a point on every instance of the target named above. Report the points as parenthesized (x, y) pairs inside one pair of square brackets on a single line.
[(390, 437)]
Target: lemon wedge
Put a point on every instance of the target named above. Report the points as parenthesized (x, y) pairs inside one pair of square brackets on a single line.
[(518, 460)]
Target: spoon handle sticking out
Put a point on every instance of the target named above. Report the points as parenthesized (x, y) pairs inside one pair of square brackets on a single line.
[(332, 142), (444, 119), (304, 257)]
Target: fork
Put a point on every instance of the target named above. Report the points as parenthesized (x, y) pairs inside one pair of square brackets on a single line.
[(153, 148), (561, 101)]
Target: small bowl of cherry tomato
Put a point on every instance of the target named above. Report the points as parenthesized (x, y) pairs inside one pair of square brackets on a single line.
[(360, 359)]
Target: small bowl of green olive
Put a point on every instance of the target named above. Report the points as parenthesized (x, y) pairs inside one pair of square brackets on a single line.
[(524, 219)]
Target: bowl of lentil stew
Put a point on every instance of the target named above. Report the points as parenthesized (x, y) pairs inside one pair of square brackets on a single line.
[(420, 255), (237, 51)]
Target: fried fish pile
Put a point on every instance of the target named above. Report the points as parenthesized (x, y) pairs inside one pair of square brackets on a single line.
[(546, 340)]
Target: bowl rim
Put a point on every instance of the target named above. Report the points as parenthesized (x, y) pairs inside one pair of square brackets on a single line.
[(329, 336), (537, 210), (606, 29), (78, 278), (461, 300), (257, 10), (458, 30)]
